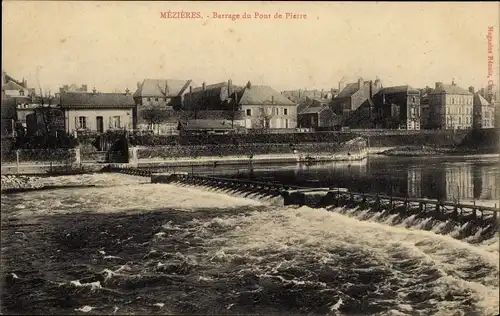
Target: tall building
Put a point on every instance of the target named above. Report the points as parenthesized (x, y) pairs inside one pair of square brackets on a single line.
[(484, 111), (397, 108), (450, 107)]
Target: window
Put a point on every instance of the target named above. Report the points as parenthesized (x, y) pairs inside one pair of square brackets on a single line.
[(21, 92), (249, 112), (413, 99), (156, 99), (82, 122), (116, 121), (286, 123), (285, 112)]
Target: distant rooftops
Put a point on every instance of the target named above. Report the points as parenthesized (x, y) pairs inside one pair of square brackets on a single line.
[(161, 88)]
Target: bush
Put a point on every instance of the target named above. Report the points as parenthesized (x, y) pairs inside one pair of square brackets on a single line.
[(294, 138), (48, 155), (171, 152)]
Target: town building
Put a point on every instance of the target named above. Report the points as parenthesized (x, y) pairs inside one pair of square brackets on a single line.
[(166, 93), (484, 111), (45, 121), (266, 109), (28, 106), (153, 95), (213, 97), (353, 95), (318, 117), (397, 108), (97, 112), (424, 107), (14, 92), (450, 107), (14, 88)]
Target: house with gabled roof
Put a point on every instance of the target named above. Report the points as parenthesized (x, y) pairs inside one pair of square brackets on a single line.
[(97, 112), (353, 95), (266, 109), (317, 117), (160, 94), (484, 111)]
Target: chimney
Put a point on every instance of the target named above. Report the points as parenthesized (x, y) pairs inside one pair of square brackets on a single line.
[(127, 91), (203, 85), (229, 87), (360, 82), (471, 89), (322, 94), (272, 99), (94, 91), (439, 85), (341, 85), (453, 81), (300, 93), (84, 87), (371, 88), (249, 85)]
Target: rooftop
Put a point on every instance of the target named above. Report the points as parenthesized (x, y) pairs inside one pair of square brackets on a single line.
[(96, 100), (162, 88), (450, 89), (262, 95), (399, 89)]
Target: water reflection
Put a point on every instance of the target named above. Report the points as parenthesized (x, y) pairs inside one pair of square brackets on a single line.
[(453, 179)]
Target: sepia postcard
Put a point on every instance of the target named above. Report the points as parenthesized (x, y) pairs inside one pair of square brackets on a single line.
[(250, 158)]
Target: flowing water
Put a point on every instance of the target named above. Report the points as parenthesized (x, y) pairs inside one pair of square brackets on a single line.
[(129, 247), (472, 178)]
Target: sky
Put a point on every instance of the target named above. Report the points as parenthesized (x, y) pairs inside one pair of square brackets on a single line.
[(113, 45)]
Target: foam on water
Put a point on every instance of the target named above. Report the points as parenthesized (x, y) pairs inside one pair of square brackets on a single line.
[(315, 232), (337, 261), (130, 194)]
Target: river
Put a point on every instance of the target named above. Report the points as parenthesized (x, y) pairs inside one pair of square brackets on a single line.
[(131, 247), (461, 179)]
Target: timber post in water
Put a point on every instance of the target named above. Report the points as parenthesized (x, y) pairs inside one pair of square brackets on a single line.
[(462, 213)]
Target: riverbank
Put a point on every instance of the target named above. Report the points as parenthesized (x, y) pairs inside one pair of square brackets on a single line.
[(245, 160), (424, 151)]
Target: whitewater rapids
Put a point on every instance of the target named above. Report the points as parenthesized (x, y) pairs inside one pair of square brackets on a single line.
[(129, 247)]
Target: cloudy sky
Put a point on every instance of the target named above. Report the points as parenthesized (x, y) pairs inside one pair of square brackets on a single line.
[(113, 45)]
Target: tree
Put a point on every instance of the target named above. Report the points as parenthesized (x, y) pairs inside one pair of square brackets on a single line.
[(190, 113), (156, 116), (44, 102), (264, 120)]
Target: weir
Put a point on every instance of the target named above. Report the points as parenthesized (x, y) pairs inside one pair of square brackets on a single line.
[(330, 198)]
